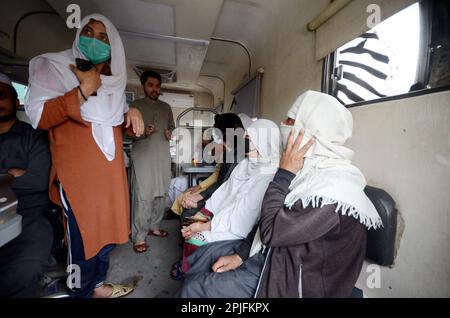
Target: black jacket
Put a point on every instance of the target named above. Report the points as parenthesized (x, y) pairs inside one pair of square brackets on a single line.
[(23, 147), (313, 252)]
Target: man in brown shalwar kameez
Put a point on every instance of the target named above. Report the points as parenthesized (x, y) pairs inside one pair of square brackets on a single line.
[(151, 161)]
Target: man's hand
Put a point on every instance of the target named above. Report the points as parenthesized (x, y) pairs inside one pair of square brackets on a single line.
[(16, 172), (168, 134), (150, 129), (134, 118), (293, 158), (227, 263), (90, 81)]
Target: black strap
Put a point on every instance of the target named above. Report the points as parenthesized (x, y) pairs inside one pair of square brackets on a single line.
[(81, 92)]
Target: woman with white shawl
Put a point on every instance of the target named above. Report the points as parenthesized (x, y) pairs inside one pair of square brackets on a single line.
[(84, 110), (234, 209), (311, 238)]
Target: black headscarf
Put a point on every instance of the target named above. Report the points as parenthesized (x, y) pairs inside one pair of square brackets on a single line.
[(227, 120), (230, 120)]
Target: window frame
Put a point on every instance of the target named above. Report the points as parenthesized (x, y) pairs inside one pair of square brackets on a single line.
[(329, 82)]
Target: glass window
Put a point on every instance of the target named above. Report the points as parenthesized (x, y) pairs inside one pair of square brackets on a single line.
[(21, 91), (382, 62), (410, 51)]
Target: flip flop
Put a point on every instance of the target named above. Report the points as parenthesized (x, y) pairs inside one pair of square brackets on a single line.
[(140, 248), (120, 290), (162, 233)]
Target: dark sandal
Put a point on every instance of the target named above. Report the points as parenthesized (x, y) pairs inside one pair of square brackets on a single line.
[(162, 233), (177, 273), (140, 248), (176, 265)]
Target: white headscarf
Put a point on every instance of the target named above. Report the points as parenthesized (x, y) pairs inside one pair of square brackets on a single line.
[(237, 203), (328, 174), (5, 79), (50, 77), (265, 135), (246, 120)]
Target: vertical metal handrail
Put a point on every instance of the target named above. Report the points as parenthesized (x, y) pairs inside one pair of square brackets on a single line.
[(212, 110)]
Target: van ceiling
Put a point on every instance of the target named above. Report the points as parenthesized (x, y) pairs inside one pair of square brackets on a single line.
[(168, 34)]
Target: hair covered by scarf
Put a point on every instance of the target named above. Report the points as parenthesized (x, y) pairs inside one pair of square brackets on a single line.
[(51, 77), (328, 176)]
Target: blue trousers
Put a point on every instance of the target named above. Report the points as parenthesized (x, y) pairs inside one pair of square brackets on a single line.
[(92, 271)]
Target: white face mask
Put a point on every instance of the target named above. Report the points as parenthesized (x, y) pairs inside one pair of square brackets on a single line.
[(286, 130)]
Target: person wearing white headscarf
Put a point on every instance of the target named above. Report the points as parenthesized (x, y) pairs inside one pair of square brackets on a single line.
[(227, 156), (311, 238), (315, 214), (234, 209), (246, 120), (84, 111), (328, 174)]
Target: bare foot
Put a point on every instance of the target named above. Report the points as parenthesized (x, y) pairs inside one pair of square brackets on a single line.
[(103, 291)]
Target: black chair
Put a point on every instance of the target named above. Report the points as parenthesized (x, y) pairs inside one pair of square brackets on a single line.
[(381, 242)]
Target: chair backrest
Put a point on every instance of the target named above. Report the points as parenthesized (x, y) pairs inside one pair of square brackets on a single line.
[(381, 242), (10, 221)]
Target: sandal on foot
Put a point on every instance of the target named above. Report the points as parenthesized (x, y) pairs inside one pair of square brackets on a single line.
[(120, 290), (140, 248), (177, 273), (161, 233), (176, 265)]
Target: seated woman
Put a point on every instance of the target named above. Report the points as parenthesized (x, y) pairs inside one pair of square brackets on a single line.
[(234, 209), (311, 240), (195, 198)]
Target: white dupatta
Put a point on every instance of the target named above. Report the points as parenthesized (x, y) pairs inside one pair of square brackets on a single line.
[(50, 77), (236, 205)]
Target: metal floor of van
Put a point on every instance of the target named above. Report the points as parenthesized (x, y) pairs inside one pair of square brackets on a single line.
[(151, 270)]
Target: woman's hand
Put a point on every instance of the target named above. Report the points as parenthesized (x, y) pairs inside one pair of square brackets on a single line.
[(200, 217), (293, 157), (187, 204), (190, 200), (90, 81), (188, 231), (193, 189), (227, 263), (194, 197), (134, 118)]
